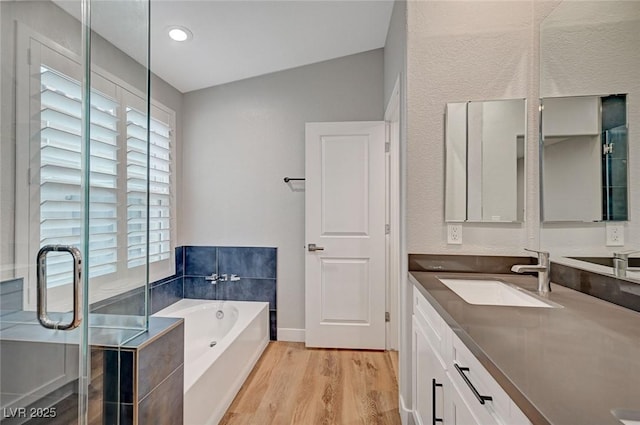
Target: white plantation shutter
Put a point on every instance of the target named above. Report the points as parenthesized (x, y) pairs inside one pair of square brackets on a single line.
[(50, 155), (160, 191), (60, 171), (136, 188), (121, 173), (160, 181)]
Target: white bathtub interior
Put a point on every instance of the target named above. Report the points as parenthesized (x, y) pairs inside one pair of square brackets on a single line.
[(223, 342)]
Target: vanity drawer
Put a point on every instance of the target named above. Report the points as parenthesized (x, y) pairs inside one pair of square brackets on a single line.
[(501, 408), (432, 324)]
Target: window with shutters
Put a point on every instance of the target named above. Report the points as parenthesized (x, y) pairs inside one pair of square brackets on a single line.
[(128, 178), (159, 177), (61, 172)]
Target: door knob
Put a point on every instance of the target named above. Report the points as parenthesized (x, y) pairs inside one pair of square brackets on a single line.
[(312, 247)]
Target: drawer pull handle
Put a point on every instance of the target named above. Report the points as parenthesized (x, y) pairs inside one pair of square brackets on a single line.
[(481, 398), (435, 419)]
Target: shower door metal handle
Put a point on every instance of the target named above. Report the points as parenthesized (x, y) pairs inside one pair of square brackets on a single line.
[(43, 315)]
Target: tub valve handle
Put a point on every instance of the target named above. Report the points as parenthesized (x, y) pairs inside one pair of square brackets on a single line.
[(213, 278), (234, 278)]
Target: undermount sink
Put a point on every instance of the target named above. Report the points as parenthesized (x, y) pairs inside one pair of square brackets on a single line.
[(493, 292)]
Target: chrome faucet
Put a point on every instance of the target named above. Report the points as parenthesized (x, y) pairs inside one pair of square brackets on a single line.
[(621, 262), (542, 268), (214, 278)]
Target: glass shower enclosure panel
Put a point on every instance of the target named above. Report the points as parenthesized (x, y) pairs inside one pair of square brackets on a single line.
[(70, 296)]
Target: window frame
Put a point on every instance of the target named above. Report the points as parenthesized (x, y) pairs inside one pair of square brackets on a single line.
[(104, 286)]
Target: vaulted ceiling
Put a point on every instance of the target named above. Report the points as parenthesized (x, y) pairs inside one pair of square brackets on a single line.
[(233, 40)]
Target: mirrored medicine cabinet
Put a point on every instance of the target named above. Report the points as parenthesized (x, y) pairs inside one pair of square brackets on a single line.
[(584, 158), (485, 161)]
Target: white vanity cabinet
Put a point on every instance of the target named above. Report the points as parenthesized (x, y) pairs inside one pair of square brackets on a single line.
[(430, 381), (450, 386)]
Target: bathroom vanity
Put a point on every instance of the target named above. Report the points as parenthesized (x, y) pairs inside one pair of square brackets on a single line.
[(572, 362)]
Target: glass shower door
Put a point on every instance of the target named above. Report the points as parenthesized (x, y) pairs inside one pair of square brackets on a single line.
[(43, 326), (69, 296)]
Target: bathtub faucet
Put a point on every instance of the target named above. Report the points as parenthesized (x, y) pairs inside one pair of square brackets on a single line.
[(214, 278), (225, 277)]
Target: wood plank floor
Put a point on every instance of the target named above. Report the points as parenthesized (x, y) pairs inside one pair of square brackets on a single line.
[(297, 386)]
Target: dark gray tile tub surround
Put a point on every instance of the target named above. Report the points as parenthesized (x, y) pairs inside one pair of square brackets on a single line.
[(165, 292), (200, 260), (128, 303), (151, 376), (165, 402), (180, 261), (255, 266), (608, 288), (246, 262), (162, 293)]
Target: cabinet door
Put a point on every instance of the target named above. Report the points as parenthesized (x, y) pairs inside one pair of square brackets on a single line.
[(428, 380), (459, 413)]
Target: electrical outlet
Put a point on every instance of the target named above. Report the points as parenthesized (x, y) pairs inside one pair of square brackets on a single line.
[(615, 234), (454, 234)]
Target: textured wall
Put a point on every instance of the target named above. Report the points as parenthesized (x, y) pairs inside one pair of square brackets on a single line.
[(242, 138), (457, 51), (591, 48)]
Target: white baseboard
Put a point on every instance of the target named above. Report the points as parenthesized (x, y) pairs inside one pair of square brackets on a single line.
[(405, 413), (291, 334)]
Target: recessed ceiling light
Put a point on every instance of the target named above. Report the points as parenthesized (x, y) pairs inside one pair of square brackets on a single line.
[(179, 33)]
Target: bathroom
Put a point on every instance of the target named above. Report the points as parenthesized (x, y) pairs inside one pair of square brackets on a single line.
[(223, 226)]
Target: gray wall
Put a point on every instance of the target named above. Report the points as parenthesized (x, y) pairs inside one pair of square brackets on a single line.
[(242, 138), (395, 49), (52, 22)]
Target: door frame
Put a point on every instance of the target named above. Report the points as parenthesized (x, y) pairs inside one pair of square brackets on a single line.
[(392, 208), (373, 329)]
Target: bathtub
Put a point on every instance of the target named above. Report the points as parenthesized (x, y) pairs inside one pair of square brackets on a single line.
[(223, 340)]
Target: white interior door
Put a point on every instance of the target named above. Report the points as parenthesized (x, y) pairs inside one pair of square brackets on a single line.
[(345, 220)]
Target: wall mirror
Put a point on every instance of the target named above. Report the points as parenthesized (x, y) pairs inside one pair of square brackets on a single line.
[(584, 158), (589, 62), (485, 161)]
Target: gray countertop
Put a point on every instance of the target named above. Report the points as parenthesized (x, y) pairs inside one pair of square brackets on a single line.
[(561, 366)]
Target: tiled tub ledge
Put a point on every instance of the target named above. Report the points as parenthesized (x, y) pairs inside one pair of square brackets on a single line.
[(144, 378)]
